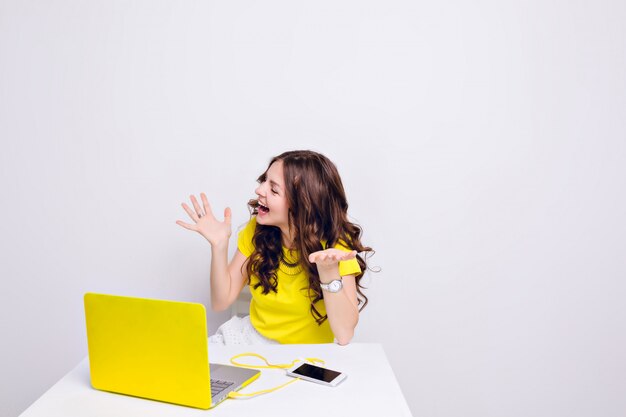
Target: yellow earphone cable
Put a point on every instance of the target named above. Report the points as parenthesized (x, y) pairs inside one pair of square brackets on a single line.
[(269, 365), (237, 395)]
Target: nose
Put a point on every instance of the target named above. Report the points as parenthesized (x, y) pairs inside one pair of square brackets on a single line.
[(258, 190)]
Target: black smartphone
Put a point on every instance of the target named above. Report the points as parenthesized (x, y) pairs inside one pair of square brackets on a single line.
[(317, 374)]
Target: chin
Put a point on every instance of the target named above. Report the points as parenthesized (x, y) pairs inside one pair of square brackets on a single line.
[(262, 220)]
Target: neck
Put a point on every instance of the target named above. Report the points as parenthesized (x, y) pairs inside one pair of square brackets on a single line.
[(287, 237)]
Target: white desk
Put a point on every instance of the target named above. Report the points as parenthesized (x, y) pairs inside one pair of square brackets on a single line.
[(371, 389)]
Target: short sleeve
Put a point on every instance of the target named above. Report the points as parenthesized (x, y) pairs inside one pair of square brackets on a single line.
[(244, 238), (350, 267)]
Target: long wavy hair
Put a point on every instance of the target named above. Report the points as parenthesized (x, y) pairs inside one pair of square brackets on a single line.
[(317, 212)]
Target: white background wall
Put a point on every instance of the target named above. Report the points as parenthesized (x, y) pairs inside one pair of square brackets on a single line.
[(482, 145)]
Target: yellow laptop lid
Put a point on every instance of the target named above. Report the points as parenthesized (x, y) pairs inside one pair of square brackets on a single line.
[(148, 348)]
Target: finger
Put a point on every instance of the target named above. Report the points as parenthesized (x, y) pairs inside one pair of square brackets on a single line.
[(335, 257), (228, 215), (313, 257), (207, 206), (191, 213), (185, 225), (344, 256), (196, 206)]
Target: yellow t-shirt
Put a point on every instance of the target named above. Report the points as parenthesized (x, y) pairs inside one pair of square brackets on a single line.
[(285, 315)]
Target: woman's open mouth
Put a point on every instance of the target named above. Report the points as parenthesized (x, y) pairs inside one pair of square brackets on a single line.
[(262, 209)]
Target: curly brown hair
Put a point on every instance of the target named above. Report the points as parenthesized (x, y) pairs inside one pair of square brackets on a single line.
[(317, 212)]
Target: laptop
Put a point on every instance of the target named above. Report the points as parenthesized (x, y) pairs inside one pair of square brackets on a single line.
[(156, 349)]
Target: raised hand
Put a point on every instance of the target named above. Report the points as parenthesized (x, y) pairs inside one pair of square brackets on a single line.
[(205, 223), (330, 257)]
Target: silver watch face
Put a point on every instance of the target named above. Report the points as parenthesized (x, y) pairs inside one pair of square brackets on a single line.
[(334, 286)]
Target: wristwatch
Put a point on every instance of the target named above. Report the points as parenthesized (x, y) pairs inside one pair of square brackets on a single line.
[(333, 286)]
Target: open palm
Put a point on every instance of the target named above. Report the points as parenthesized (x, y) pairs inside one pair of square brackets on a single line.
[(330, 257), (205, 223)]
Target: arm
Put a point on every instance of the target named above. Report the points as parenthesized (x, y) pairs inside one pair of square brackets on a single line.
[(341, 307), (226, 280)]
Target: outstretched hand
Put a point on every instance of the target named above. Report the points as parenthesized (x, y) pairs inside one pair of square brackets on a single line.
[(205, 223), (330, 257)]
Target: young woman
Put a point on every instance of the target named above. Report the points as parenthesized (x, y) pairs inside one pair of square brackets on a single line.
[(299, 254)]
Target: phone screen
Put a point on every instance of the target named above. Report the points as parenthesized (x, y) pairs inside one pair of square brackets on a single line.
[(311, 371)]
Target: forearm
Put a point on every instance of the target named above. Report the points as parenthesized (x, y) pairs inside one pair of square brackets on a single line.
[(220, 278), (343, 314)]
